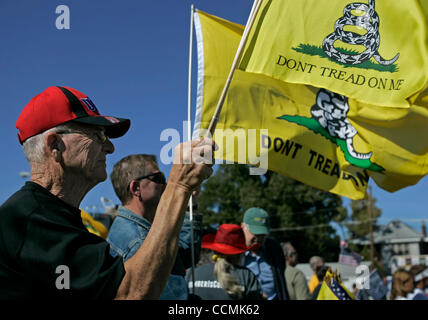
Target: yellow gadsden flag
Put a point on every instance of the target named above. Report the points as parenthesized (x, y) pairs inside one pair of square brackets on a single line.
[(332, 288), (309, 133), (374, 51)]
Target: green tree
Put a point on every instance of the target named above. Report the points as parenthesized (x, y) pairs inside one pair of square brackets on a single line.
[(294, 208), (220, 199), (358, 224)]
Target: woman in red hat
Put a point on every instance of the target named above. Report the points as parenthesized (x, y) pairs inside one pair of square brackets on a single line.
[(225, 279)]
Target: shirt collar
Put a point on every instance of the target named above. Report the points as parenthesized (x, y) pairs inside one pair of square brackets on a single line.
[(130, 215)]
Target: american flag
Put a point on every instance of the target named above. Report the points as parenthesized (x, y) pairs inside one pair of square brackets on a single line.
[(349, 257), (337, 289)]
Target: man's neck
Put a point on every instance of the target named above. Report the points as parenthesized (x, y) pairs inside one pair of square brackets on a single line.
[(71, 194), (142, 210), (69, 189)]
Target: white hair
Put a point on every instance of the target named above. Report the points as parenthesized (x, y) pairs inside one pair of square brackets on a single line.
[(34, 146), (315, 261)]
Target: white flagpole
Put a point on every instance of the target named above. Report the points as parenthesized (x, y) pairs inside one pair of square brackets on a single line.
[(189, 137), (250, 22)]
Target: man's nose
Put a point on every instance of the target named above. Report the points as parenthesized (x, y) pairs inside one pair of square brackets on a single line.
[(108, 146)]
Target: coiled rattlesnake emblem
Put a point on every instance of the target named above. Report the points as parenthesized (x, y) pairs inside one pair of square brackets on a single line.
[(329, 119), (330, 111), (369, 21)]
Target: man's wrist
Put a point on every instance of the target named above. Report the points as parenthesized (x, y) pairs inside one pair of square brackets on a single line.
[(180, 187)]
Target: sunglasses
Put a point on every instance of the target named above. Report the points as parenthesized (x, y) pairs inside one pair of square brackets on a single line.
[(157, 177)]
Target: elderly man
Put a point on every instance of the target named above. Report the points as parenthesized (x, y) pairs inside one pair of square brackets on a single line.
[(296, 282), (139, 184), (45, 250), (266, 259)]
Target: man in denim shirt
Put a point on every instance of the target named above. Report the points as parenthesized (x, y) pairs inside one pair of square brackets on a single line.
[(266, 260), (139, 184)]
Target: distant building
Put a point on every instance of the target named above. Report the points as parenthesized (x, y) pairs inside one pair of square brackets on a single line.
[(398, 243), (407, 261)]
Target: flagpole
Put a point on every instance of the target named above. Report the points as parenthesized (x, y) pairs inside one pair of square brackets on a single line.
[(370, 211), (189, 137), (250, 22)]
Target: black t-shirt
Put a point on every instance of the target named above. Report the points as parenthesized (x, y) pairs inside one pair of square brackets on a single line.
[(39, 235), (208, 288)]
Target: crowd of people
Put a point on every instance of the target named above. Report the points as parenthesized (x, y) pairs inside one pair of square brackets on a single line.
[(410, 284), (152, 245)]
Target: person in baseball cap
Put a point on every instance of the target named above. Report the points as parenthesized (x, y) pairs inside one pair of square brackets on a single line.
[(258, 221), (266, 258), (66, 142), (59, 105)]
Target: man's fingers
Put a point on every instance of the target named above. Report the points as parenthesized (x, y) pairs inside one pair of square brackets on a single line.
[(195, 151), (203, 154), (204, 141), (196, 142), (202, 151)]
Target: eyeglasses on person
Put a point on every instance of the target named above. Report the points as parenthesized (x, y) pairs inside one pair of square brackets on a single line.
[(100, 135), (157, 177)]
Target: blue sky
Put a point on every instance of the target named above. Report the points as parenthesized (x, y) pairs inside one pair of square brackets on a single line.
[(131, 58)]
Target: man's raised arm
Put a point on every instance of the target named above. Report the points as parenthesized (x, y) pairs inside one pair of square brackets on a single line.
[(148, 270)]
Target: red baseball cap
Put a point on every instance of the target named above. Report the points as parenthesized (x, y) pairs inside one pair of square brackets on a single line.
[(57, 105), (229, 239)]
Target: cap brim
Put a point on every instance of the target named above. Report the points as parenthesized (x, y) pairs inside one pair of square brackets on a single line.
[(115, 127), (256, 230)]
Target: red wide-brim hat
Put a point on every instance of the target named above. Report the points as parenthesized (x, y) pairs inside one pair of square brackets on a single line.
[(229, 240)]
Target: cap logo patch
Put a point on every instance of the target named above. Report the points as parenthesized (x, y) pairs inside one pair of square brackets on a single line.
[(91, 106), (262, 220), (112, 119)]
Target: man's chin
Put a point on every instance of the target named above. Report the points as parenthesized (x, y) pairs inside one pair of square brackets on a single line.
[(99, 177), (103, 178)]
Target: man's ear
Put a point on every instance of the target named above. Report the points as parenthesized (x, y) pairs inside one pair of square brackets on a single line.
[(134, 187), (52, 145)]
